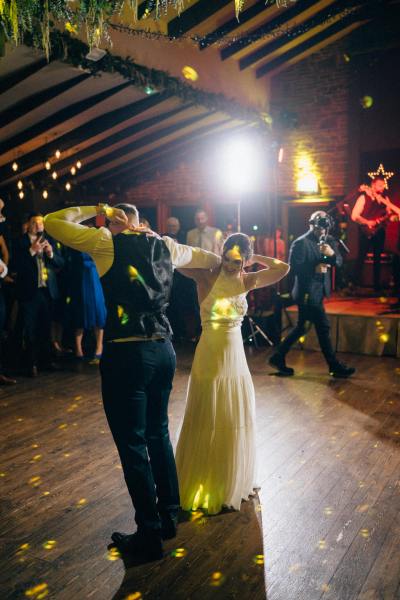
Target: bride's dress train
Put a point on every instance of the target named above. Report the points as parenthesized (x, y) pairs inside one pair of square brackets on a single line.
[(215, 454)]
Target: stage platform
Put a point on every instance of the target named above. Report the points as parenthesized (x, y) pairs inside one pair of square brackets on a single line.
[(360, 325)]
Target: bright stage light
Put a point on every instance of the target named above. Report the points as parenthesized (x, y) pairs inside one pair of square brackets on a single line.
[(241, 165)]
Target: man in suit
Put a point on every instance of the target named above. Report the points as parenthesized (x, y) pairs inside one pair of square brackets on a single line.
[(34, 263), (310, 258), (138, 360), (204, 236)]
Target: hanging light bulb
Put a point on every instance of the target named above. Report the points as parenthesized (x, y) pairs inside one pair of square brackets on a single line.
[(68, 186), (78, 164), (15, 166), (47, 164), (54, 175), (58, 154), (45, 194), (21, 194), (20, 185), (73, 170)]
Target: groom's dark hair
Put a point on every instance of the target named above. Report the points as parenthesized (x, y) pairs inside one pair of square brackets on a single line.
[(129, 209)]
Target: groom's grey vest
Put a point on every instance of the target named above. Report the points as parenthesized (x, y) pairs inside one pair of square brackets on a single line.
[(137, 288)]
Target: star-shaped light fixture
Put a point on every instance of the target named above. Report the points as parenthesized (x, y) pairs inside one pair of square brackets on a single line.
[(385, 175)]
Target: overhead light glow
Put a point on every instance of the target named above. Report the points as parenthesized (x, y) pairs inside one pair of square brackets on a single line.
[(47, 164), (15, 166), (45, 194), (241, 164)]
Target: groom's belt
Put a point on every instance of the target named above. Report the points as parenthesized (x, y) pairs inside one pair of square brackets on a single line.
[(138, 338)]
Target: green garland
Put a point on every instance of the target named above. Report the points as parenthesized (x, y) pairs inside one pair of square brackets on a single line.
[(73, 51), (18, 17)]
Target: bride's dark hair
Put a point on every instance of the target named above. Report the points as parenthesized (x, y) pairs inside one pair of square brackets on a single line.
[(240, 241)]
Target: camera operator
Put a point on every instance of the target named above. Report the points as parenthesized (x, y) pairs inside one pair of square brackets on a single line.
[(310, 258)]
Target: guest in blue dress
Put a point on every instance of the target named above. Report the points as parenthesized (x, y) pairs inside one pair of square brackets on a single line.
[(86, 301)]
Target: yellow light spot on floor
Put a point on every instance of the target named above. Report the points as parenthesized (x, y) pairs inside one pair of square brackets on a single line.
[(325, 587), (217, 579), (37, 457), (179, 552), (258, 559), (3, 474), (35, 446), (63, 426), (328, 511), (113, 554), (35, 481), (78, 398), (362, 508), (294, 568), (365, 533), (38, 591), (49, 545), (82, 502), (46, 493), (322, 544), (134, 596), (19, 420)]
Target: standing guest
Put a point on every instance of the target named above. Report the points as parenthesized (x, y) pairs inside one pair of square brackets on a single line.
[(4, 380), (35, 262), (86, 306), (310, 257), (138, 361), (204, 236), (173, 229), (177, 311)]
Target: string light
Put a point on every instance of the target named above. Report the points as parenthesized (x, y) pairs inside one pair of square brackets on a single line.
[(45, 194), (54, 175), (78, 164), (68, 186), (190, 73), (20, 185), (47, 164), (15, 166), (21, 194), (57, 154), (73, 170)]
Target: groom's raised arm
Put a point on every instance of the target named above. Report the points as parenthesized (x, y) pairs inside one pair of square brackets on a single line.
[(186, 257)]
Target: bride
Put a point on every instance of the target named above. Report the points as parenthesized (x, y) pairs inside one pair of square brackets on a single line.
[(215, 455)]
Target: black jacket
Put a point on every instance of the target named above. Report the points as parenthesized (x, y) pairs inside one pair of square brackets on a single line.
[(311, 287), (26, 269)]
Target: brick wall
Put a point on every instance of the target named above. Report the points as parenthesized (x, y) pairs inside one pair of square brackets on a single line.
[(315, 93)]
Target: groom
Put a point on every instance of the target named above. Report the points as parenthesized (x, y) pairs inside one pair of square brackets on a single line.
[(138, 362)]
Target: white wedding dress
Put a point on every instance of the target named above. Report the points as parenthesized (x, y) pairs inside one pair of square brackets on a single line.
[(215, 455)]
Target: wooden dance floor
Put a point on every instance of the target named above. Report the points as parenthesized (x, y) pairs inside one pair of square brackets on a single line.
[(326, 524)]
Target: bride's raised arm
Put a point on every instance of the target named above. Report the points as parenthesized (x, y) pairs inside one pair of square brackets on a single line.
[(275, 271)]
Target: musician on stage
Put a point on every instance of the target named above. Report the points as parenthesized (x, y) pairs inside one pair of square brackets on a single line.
[(371, 211)]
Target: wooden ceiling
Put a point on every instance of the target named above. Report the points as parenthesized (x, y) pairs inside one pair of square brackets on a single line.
[(121, 134)]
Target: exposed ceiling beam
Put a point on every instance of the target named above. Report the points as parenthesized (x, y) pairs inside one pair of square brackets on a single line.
[(194, 15), (58, 118), (186, 139), (322, 36), (90, 129), (143, 141), (34, 100), (267, 28), (283, 40), (234, 24), (113, 139), (9, 81)]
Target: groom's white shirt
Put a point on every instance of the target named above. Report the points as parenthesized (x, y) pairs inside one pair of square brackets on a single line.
[(65, 226)]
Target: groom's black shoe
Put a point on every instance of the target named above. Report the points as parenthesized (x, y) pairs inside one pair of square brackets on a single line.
[(278, 361), (147, 544), (169, 526)]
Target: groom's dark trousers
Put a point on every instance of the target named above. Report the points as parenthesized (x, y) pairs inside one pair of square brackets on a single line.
[(136, 384)]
